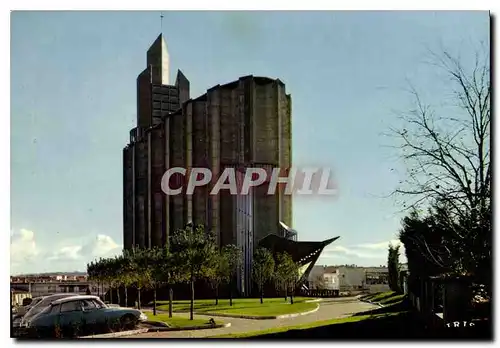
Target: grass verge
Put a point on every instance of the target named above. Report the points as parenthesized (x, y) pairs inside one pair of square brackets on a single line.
[(295, 327), (247, 306), (177, 321), (384, 298), (356, 322)]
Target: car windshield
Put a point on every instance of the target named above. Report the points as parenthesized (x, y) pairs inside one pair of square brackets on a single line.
[(99, 303), (36, 300), (46, 310)]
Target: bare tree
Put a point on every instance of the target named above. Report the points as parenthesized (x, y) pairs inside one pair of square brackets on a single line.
[(448, 156), (448, 161)]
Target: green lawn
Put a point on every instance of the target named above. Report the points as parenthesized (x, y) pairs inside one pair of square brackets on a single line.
[(176, 321), (246, 306)]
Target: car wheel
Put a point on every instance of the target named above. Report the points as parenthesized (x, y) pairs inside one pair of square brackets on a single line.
[(128, 322)]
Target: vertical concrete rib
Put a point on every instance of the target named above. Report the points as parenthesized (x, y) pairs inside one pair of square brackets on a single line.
[(166, 199), (188, 119), (149, 196)]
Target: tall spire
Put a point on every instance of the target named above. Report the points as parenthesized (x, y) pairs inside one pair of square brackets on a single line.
[(159, 61)]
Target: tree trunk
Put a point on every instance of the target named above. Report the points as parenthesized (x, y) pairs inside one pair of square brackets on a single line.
[(231, 292), (286, 294), (261, 294), (98, 290), (126, 296), (191, 310), (154, 300), (138, 298), (217, 294), (110, 293), (170, 301), (118, 296), (291, 297)]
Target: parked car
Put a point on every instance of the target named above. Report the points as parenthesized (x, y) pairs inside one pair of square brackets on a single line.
[(82, 315), (38, 307)]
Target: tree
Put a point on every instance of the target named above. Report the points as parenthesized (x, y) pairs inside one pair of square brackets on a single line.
[(233, 256), (91, 271), (393, 268), (220, 273), (449, 170), (127, 272), (293, 277), (96, 272), (101, 272), (286, 274), (156, 265), (114, 276), (196, 252), (262, 269), (142, 271), (171, 273)]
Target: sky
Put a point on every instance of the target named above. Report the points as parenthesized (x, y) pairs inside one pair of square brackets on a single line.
[(73, 102)]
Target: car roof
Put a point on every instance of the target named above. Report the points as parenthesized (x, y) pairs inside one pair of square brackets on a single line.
[(75, 298), (60, 295)]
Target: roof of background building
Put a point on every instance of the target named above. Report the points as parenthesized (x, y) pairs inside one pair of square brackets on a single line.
[(330, 269)]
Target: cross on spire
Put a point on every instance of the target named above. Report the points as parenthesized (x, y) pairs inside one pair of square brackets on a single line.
[(161, 22)]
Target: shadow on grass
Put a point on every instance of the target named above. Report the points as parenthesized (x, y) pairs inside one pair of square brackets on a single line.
[(401, 306), (379, 298), (394, 299), (396, 321), (406, 325)]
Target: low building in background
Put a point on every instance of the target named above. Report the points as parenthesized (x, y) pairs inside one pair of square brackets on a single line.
[(351, 278), (36, 289), (324, 278), (348, 278), (52, 283)]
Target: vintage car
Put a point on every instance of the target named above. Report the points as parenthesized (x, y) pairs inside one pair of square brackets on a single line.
[(36, 306), (81, 315)]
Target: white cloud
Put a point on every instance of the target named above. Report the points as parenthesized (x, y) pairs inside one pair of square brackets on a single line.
[(366, 254), (22, 246), (341, 250), (27, 257), (66, 253), (101, 246), (379, 246)]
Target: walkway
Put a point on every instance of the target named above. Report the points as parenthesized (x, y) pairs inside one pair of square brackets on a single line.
[(329, 309)]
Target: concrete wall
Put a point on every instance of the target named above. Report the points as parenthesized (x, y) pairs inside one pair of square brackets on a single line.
[(350, 277), (322, 278), (244, 123), (331, 281), (128, 197)]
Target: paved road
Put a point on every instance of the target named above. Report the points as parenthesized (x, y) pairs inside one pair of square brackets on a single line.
[(329, 309)]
